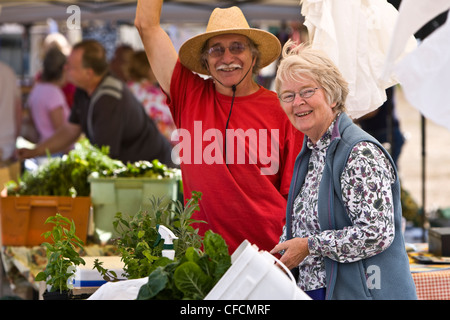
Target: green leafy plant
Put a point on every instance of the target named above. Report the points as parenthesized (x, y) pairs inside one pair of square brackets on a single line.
[(141, 169), (192, 276), (180, 221), (66, 175), (139, 242), (62, 254), (107, 275)]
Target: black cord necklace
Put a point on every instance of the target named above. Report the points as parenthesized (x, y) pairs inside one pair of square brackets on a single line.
[(233, 87)]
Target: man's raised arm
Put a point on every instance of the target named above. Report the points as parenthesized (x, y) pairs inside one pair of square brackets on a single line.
[(159, 48)]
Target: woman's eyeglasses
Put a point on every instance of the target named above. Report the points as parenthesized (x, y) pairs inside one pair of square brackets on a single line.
[(219, 50), (290, 96)]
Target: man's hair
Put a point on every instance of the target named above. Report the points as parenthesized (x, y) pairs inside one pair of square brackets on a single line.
[(94, 56)]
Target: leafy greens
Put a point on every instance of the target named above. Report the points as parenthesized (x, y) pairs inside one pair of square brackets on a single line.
[(192, 276)]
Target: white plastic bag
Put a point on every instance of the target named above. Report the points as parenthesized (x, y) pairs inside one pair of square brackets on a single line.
[(120, 290)]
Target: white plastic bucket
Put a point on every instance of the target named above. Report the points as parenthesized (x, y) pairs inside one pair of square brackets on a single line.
[(253, 275)]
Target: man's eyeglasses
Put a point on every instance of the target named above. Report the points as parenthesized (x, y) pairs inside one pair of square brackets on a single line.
[(218, 50), (290, 96)]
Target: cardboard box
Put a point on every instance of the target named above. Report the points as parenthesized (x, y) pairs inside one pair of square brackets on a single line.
[(439, 241)]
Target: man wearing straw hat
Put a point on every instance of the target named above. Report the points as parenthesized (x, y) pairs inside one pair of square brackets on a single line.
[(236, 146)]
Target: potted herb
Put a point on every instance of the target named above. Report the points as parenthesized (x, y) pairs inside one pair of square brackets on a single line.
[(139, 242), (190, 277), (62, 257), (191, 274)]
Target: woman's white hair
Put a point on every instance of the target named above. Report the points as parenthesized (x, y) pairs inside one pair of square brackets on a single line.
[(300, 62)]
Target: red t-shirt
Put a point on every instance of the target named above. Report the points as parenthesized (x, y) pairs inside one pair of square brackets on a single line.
[(247, 199)]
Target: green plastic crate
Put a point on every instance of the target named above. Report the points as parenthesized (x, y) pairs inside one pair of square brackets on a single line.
[(127, 195)]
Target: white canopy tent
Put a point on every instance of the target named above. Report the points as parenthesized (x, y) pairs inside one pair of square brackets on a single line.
[(33, 15), (32, 11)]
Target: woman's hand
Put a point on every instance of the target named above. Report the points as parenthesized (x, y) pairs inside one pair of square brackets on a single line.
[(296, 250)]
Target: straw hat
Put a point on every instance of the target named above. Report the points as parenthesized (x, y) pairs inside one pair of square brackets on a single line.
[(225, 21)]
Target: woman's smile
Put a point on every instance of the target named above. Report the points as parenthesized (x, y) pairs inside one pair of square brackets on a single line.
[(302, 114)]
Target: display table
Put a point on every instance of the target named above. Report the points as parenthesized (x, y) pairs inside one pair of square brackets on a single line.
[(22, 264), (432, 284), (432, 280)]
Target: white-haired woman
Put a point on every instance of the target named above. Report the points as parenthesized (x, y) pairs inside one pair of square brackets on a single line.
[(343, 218)]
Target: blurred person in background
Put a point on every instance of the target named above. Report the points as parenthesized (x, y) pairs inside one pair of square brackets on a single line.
[(106, 111), (10, 124), (120, 62), (11, 113), (384, 124), (146, 89), (59, 41), (46, 102)]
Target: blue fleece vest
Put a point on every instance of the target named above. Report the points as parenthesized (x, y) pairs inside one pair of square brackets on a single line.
[(383, 276)]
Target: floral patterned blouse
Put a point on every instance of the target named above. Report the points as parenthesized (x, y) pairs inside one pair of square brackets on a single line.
[(366, 191)]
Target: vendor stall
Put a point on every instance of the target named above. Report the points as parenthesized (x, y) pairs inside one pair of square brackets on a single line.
[(22, 264), (431, 273)]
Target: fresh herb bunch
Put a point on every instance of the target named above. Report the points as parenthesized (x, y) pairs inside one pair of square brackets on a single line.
[(66, 175), (139, 242), (143, 168), (192, 276), (62, 254), (180, 222)]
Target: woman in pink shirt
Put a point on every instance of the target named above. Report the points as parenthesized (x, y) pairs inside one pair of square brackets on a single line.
[(46, 102)]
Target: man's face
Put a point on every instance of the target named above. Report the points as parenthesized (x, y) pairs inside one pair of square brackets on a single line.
[(76, 73), (230, 58)]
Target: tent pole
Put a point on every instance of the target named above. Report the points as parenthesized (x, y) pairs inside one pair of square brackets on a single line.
[(423, 218)]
